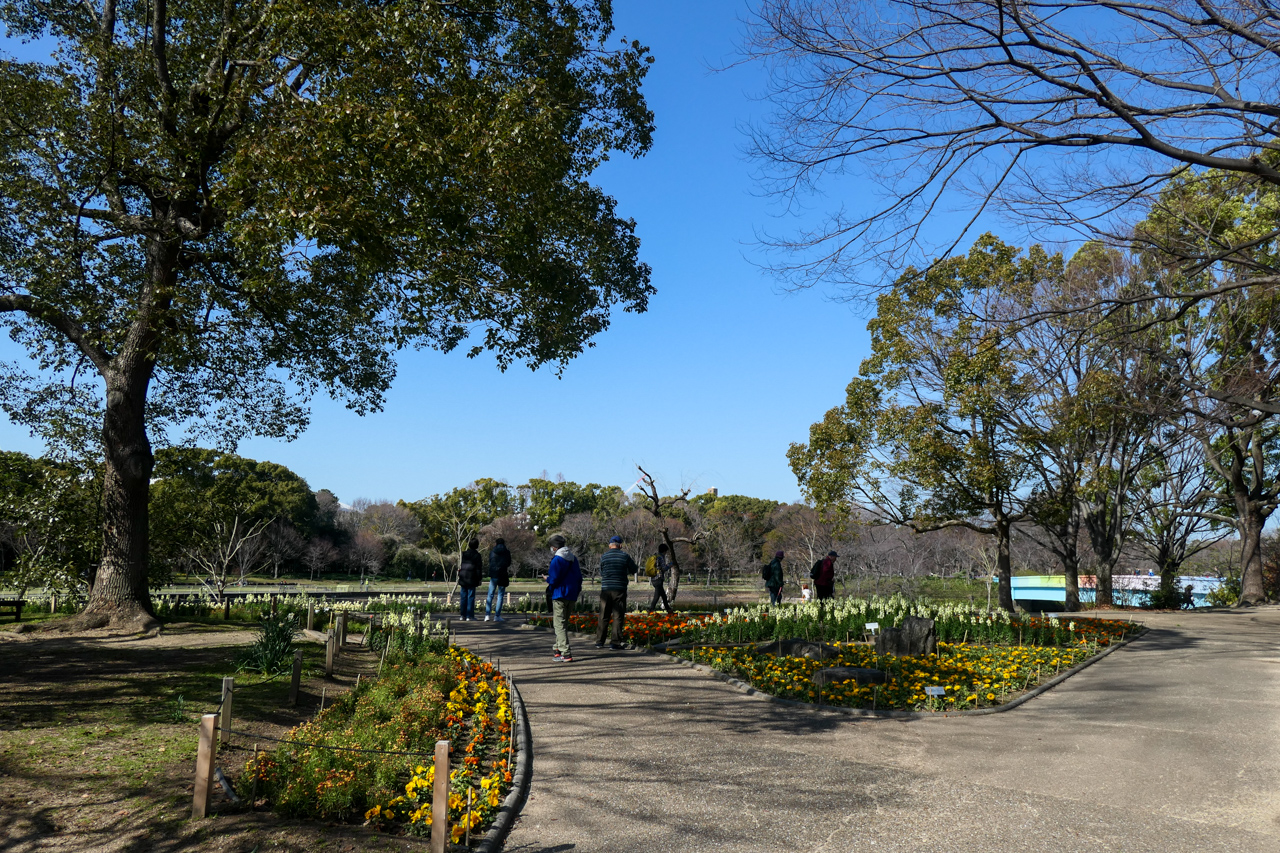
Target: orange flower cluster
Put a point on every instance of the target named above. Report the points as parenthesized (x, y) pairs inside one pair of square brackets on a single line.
[(640, 629)]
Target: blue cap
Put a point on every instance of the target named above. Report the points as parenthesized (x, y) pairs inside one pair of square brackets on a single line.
[(617, 539)]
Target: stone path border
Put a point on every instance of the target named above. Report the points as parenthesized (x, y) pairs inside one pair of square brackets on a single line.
[(522, 777), (743, 687)]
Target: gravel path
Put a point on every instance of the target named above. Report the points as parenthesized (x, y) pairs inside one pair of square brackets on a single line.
[(1170, 744)]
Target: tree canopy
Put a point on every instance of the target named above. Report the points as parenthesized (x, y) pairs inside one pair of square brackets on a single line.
[(220, 209)]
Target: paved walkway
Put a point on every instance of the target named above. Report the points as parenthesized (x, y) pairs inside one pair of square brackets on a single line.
[(1170, 744)]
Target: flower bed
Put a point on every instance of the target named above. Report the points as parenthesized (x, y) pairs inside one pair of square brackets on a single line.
[(972, 676), (454, 696), (845, 619), (641, 629)]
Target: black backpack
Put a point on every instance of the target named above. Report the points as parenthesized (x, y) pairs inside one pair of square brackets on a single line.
[(764, 571), (815, 571)]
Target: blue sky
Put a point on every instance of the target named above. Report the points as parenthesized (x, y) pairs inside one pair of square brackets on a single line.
[(706, 389)]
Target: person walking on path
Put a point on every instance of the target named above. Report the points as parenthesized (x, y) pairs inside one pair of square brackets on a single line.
[(470, 567), (824, 578), (616, 568), (775, 581), (499, 579), (662, 565), (564, 579)]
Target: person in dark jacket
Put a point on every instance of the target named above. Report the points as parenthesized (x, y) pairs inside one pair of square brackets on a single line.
[(616, 569), (775, 581), (824, 583), (470, 568), (659, 581), (564, 580), (499, 579)]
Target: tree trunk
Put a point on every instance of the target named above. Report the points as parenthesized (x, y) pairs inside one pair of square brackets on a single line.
[(1072, 574), (1252, 520), (1004, 563), (120, 597)]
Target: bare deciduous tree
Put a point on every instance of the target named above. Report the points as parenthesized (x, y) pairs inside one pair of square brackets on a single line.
[(283, 543), (1060, 111), (318, 556), (658, 507), (231, 545), (367, 552)]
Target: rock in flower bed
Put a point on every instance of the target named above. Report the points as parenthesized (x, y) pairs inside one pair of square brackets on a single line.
[(972, 676), (452, 695)]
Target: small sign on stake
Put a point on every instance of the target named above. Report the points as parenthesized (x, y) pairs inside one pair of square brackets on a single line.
[(935, 691), (873, 627)]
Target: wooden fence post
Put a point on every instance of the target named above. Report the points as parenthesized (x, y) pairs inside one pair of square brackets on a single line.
[(311, 616), (440, 800), (228, 693), (330, 651), (297, 677), (342, 630), (204, 766), (417, 624)]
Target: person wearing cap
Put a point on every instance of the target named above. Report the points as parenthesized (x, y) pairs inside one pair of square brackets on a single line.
[(775, 581), (824, 583), (564, 580), (616, 569)]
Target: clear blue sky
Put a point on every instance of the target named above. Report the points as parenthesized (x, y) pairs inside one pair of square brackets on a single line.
[(706, 389)]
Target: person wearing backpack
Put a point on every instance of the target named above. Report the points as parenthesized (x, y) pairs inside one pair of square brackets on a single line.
[(499, 579), (469, 571), (564, 581), (824, 576), (659, 567), (773, 579)]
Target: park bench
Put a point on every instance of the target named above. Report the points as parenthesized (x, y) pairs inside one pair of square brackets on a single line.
[(13, 605)]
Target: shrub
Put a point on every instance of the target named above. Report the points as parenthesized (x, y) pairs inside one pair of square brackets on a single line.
[(1227, 594), (272, 651)]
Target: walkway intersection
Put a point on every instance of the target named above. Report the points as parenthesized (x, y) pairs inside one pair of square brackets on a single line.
[(1170, 744)]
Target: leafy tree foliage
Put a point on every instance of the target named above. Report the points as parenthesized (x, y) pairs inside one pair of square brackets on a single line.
[(220, 209), (197, 491), (549, 502), (925, 438), (48, 524)]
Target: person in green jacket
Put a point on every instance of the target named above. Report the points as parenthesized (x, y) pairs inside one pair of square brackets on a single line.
[(775, 581)]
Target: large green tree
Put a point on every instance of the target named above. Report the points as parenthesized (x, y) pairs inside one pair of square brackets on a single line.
[(221, 208), (927, 437), (549, 502), (195, 489)]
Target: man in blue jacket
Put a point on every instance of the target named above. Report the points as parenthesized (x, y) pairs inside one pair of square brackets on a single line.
[(564, 580)]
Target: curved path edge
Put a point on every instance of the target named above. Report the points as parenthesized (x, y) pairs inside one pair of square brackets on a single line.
[(743, 687), (522, 776)]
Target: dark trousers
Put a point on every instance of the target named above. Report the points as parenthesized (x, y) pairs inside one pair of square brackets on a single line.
[(825, 591), (775, 594), (467, 602), (659, 592), (613, 605)]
